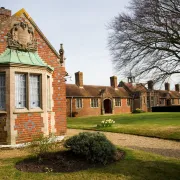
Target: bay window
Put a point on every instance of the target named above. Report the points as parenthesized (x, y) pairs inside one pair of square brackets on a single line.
[(2, 91)]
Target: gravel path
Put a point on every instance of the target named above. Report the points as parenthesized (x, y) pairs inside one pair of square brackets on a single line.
[(159, 146)]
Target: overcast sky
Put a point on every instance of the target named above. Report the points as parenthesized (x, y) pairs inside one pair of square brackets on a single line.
[(81, 26)]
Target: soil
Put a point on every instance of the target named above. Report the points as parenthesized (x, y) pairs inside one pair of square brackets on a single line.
[(62, 161)]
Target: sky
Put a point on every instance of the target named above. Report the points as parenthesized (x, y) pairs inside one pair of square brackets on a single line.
[(81, 26)]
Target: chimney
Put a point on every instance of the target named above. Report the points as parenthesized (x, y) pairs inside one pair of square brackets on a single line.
[(167, 86), (79, 79), (150, 85), (113, 81), (177, 87), (4, 13)]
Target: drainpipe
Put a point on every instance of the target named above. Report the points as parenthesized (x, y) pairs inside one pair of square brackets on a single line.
[(71, 106)]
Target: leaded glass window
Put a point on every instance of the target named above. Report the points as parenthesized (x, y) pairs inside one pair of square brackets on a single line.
[(117, 101), (34, 91), (2, 91), (78, 103), (94, 102), (20, 90)]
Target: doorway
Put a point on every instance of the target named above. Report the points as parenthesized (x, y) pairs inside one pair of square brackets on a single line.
[(107, 106)]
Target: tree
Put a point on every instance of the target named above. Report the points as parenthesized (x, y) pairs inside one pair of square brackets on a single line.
[(146, 39)]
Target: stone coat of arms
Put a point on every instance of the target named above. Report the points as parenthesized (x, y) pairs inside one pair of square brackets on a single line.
[(21, 37)]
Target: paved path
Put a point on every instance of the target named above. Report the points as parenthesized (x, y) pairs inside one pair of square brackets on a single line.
[(159, 146)]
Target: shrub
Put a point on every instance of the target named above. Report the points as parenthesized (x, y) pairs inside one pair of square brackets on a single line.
[(95, 147), (137, 110), (42, 144)]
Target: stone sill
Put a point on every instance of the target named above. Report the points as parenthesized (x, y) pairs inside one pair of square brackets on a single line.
[(3, 112), (20, 111)]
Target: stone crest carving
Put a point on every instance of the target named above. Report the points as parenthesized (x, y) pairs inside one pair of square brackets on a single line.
[(21, 37)]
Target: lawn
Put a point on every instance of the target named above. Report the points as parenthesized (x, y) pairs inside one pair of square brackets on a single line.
[(161, 125), (137, 165)]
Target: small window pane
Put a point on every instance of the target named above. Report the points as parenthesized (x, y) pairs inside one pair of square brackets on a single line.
[(2, 91), (117, 102), (20, 90), (94, 102), (78, 103), (34, 91), (48, 93)]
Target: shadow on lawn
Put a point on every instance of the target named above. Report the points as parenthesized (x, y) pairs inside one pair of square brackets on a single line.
[(175, 153)]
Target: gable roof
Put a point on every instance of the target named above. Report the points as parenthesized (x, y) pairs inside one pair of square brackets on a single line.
[(133, 87), (171, 94), (23, 11), (72, 90)]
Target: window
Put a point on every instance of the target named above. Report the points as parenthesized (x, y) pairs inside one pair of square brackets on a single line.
[(94, 102), (20, 90), (34, 91), (2, 91), (152, 101), (117, 101), (148, 102), (48, 93), (172, 101), (128, 102), (178, 101), (78, 103), (161, 101)]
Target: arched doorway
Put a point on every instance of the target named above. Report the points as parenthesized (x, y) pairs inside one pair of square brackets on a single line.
[(107, 106)]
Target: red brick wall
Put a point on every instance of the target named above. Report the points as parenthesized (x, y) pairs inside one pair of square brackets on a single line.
[(59, 90), (28, 126), (86, 110), (124, 108)]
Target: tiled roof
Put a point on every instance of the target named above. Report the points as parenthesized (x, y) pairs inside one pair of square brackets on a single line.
[(94, 91), (172, 94), (135, 87)]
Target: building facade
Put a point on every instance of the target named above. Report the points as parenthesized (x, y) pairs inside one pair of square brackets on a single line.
[(92, 100), (32, 85), (147, 97)]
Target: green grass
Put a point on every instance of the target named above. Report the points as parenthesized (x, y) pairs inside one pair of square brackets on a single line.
[(137, 165), (161, 125)]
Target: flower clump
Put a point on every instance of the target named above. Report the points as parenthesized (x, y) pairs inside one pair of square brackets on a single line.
[(106, 123)]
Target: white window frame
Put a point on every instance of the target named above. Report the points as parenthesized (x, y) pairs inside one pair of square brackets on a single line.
[(128, 102), (48, 92), (2, 91), (94, 103), (117, 102), (35, 91), (20, 90), (79, 103)]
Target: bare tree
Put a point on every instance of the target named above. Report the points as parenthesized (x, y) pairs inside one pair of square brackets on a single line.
[(146, 39)]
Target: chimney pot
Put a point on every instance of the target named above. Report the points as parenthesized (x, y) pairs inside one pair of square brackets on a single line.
[(79, 79), (150, 85), (113, 82), (167, 86), (177, 87)]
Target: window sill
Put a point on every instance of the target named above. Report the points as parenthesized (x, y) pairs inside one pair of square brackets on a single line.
[(36, 110), (3, 112)]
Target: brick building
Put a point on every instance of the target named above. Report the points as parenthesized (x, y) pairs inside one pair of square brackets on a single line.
[(32, 85), (147, 97), (83, 100)]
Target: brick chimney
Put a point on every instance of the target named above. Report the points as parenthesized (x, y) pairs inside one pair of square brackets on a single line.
[(79, 79), (150, 85), (167, 86), (177, 87), (4, 13), (113, 81)]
